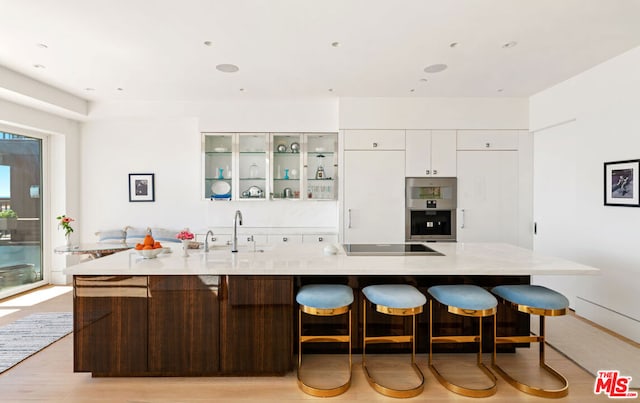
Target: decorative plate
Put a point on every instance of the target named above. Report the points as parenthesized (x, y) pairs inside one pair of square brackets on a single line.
[(220, 188)]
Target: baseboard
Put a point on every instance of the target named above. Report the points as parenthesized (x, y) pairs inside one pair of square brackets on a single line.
[(615, 321)]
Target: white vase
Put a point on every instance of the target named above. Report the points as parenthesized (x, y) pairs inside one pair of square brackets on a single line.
[(185, 247), (67, 239)]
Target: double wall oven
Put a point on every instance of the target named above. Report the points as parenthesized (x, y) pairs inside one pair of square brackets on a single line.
[(430, 209)]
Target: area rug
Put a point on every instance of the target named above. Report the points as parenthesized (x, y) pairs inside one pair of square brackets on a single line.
[(590, 347), (26, 336)]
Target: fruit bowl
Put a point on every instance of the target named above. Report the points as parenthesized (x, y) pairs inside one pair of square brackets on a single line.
[(150, 253)]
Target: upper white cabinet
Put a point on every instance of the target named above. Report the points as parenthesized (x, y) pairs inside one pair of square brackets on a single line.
[(475, 140), (430, 153), (374, 139)]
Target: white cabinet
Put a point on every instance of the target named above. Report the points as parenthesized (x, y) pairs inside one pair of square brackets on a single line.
[(487, 140), (374, 139), (488, 196), (430, 153), (373, 208), (285, 238)]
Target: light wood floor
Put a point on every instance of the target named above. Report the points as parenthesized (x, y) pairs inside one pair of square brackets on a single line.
[(48, 376)]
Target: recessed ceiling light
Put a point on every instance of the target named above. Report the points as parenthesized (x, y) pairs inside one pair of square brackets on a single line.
[(241, 89), (330, 90), (42, 45), (509, 44), (89, 89), (412, 90), (435, 68), (208, 43), (453, 44), (335, 44), (39, 66), (227, 68), (120, 89), (500, 90), (424, 80)]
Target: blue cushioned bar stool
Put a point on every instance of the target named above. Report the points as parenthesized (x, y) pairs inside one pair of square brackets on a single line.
[(535, 300), (464, 300), (396, 300), (324, 300)]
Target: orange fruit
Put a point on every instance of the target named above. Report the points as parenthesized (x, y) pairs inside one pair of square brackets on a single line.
[(157, 245), (146, 247), (148, 240), (139, 246)]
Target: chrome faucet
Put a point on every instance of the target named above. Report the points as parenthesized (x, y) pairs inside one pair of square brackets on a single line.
[(206, 240), (237, 219)]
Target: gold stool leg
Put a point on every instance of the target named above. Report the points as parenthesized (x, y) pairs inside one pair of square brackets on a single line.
[(532, 390), (391, 392), (461, 390), (311, 390)]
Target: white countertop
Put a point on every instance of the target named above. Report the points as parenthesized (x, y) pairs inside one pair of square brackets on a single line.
[(309, 259)]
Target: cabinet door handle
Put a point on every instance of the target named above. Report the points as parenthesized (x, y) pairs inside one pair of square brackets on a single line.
[(320, 239), (375, 145), (349, 220), (250, 238), (428, 172), (487, 145), (462, 219), (284, 239), (213, 239), (435, 171)]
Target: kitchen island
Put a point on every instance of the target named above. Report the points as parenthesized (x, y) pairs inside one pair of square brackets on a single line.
[(223, 313)]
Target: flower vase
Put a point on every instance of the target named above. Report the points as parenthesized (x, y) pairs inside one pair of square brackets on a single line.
[(67, 239), (185, 247)]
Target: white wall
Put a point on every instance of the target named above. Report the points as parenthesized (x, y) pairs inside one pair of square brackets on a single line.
[(580, 124), (165, 139)]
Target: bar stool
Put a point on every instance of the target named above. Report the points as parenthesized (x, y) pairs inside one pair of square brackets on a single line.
[(535, 300), (464, 300), (396, 300), (324, 300)]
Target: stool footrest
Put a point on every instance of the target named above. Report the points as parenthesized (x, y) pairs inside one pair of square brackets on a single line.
[(325, 339), (389, 339), (398, 393), (519, 339), (455, 339)]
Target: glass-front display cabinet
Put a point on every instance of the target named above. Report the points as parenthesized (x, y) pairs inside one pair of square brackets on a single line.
[(287, 165), (218, 166), (276, 166), (321, 166), (253, 165)]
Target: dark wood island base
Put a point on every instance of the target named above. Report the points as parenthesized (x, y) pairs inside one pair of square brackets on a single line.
[(189, 325)]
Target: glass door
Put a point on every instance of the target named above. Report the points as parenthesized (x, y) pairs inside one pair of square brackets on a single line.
[(217, 166), (20, 212), (321, 166), (287, 166), (253, 166)]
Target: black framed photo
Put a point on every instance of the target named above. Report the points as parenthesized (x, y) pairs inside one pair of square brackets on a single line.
[(141, 188), (621, 183)]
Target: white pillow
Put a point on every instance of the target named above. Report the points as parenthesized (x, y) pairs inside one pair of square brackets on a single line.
[(111, 236), (135, 235), (165, 235)]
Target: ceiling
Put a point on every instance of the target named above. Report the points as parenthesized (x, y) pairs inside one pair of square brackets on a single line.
[(115, 50)]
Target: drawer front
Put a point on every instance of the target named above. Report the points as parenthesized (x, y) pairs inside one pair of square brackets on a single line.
[(488, 140), (312, 238), (374, 140), (285, 238)]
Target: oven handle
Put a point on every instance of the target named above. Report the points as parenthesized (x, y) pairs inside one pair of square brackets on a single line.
[(462, 219), (349, 212)]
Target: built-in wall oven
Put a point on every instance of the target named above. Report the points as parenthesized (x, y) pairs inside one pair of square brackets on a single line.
[(430, 209)]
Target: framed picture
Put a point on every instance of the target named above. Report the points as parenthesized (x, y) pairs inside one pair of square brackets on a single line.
[(141, 188), (621, 180)]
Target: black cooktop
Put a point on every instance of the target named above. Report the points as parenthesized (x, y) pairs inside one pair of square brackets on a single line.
[(394, 249)]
